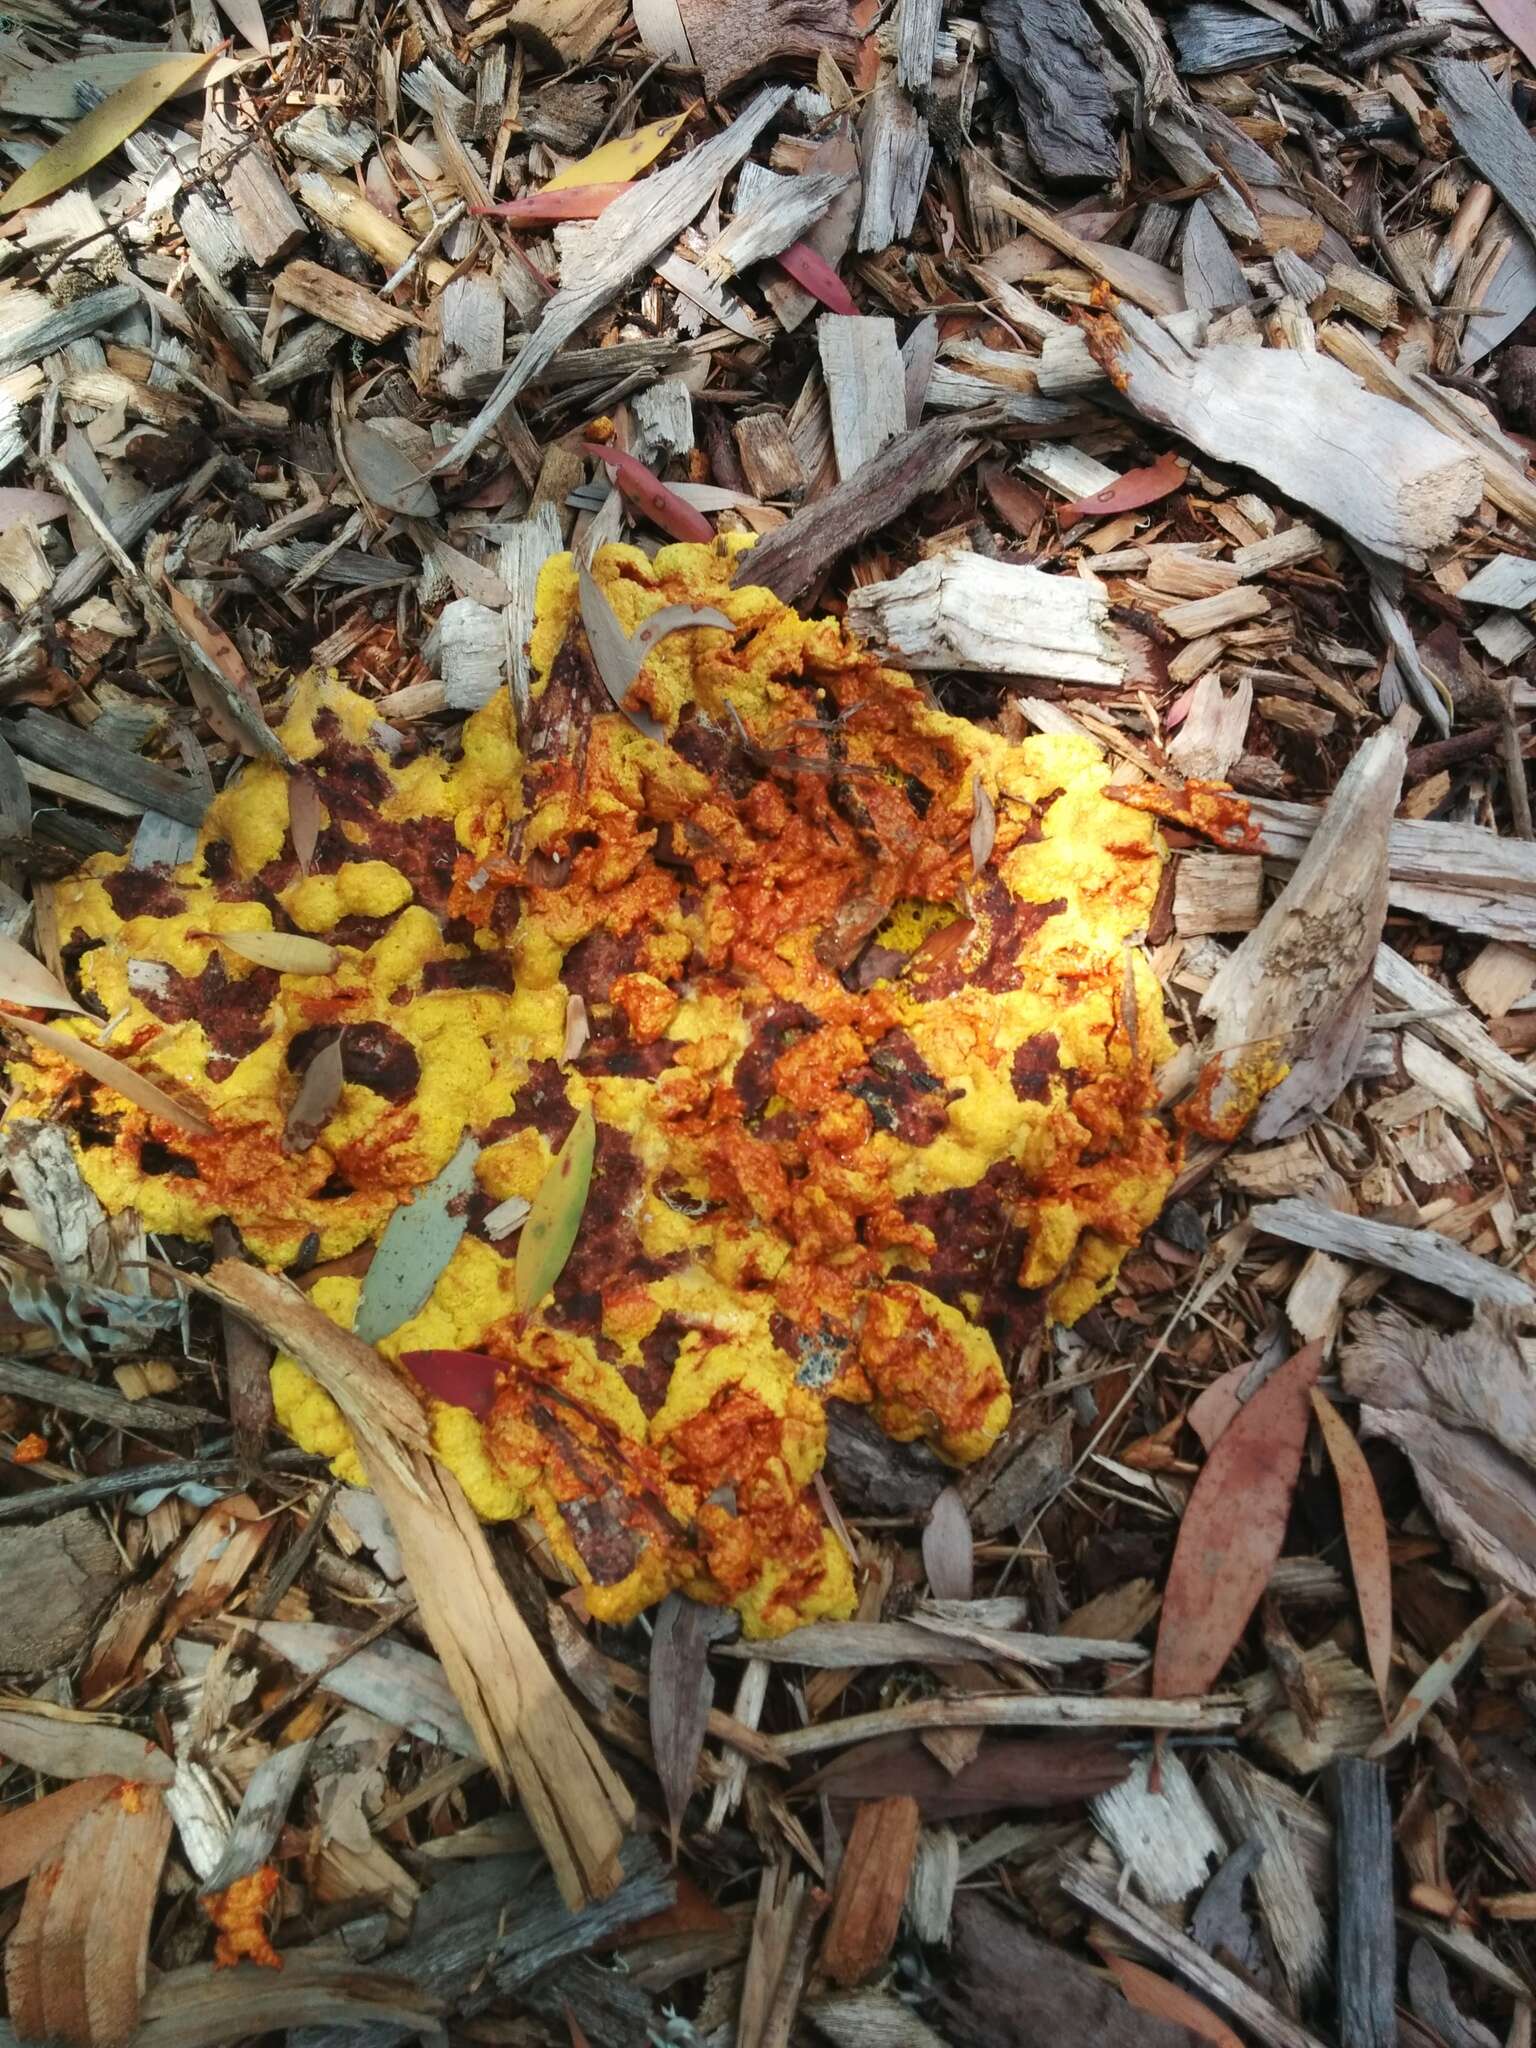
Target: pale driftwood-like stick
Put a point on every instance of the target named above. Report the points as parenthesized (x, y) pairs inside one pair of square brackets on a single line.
[(1365, 1954), (1217, 892), (1442, 1016), (1418, 1254), (1209, 1978), (31, 328), (861, 368), (1135, 277), (848, 1645), (1390, 481), (1012, 1710), (526, 1728), (633, 231), (1489, 131), (1304, 966), (965, 611), (525, 548), (897, 153)]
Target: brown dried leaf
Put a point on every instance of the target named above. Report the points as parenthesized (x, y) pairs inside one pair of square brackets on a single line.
[(682, 1693), (28, 983), (76, 1962), (948, 1549), (315, 1103), (123, 1080), (306, 817), (1022, 1772), (1365, 1532), (871, 1886), (1232, 1530), (983, 825)]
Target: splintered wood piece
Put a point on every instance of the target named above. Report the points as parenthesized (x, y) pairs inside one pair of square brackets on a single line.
[(54, 1582), (339, 301), (1213, 277), (1489, 131), (862, 370), (528, 1731), (1390, 481), (76, 1962), (1051, 55), (270, 225), (966, 611), (897, 152), (871, 1885), (1303, 968), (768, 458), (1365, 1955), (1421, 1255)]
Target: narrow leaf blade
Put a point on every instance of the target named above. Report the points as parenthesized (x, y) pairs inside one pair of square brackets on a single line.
[(948, 1548), (101, 1066), (1433, 1682), (539, 209), (983, 825), (1365, 1533), (120, 115), (387, 473), (418, 1241), (1232, 1530), (555, 1218), (286, 952), (814, 274), (315, 1103), (648, 494), (1128, 493)]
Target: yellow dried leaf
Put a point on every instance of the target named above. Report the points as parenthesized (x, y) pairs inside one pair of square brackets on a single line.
[(26, 981), (101, 131), (288, 952), (616, 162)]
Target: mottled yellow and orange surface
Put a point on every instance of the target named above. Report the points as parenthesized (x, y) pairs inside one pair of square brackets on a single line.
[(864, 1115)]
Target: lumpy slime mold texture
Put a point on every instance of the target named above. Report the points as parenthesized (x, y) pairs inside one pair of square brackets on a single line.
[(865, 1114)]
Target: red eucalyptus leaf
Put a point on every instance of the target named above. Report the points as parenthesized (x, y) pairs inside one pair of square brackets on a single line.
[(539, 209), (1128, 493), (646, 491), (467, 1379), (814, 274)]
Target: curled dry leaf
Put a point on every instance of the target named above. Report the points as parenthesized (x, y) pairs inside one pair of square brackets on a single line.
[(1128, 493), (1232, 1530), (983, 825), (315, 1103), (622, 160), (418, 1241), (648, 494), (466, 1379), (948, 1549), (285, 952), (306, 818), (25, 981), (555, 1217), (681, 1695), (1365, 1532), (101, 1066)]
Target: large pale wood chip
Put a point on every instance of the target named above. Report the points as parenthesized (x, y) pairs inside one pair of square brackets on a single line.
[(1386, 478), (75, 1964), (339, 301), (1422, 1255), (964, 611), (731, 43), (527, 1729), (1307, 967)]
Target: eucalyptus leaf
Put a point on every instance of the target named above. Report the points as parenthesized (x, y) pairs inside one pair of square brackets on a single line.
[(418, 1241), (387, 473), (555, 1217), (620, 656), (102, 130)]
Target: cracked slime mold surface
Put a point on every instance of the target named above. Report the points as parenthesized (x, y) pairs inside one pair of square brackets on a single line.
[(864, 1116)]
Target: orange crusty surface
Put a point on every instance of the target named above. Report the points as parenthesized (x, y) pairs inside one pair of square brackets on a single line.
[(866, 1112)]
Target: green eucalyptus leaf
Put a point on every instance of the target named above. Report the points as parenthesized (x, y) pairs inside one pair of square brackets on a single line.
[(418, 1241), (555, 1218)]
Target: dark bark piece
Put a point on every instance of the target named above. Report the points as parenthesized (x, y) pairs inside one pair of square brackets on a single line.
[(1429, 1993), (54, 1581), (1019, 1991), (1051, 55), (1366, 1946), (1222, 1924), (791, 560), (66, 748), (872, 1475), (1005, 1773), (83, 1397), (1489, 131), (1209, 38), (732, 41), (1517, 390)]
